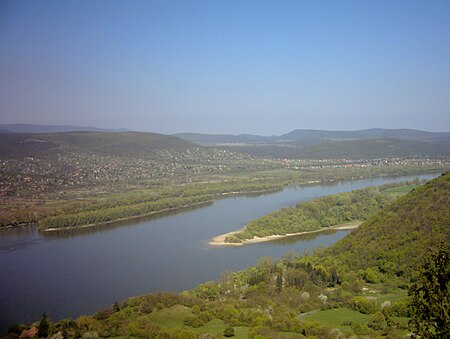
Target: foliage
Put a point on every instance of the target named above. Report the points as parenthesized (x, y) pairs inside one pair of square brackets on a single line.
[(43, 327), (393, 241), (430, 299)]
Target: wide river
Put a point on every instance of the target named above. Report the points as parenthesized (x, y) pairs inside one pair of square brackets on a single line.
[(67, 274)]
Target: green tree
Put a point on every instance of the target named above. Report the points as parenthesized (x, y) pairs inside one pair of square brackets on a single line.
[(279, 282), (430, 299), (43, 327)]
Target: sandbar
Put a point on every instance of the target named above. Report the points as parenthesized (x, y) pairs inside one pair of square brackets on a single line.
[(220, 239)]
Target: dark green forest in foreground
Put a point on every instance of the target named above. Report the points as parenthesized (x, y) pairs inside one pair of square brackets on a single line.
[(388, 278)]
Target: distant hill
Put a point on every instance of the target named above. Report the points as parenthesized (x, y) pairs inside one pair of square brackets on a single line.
[(375, 148), (348, 149), (321, 144), (373, 133), (305, 137), (106, 143), (216, 139), (31, 128), (395, 239)]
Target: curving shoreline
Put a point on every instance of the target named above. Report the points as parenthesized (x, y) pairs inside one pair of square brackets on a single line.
[(170, 209), (220, 239)]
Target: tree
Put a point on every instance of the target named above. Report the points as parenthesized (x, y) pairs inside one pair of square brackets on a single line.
[(43, 327), (279, 282), (430, 299)]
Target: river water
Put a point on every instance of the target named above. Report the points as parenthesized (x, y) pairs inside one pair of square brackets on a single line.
[(67, 274)]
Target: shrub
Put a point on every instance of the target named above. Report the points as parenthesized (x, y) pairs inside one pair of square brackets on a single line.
[(228, 332), (363, 305)]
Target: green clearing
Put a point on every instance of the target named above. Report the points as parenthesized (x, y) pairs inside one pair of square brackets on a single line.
[(217, 326), (171, 317), (336, 317), (399, 190), (392, 295)]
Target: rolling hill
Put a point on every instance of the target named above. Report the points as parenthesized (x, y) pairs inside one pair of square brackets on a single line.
[(14, 145), (320, 144), (375, 148), (372, 133), (306, 137)]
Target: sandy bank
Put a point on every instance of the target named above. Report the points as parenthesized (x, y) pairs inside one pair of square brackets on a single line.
[(220, 239)]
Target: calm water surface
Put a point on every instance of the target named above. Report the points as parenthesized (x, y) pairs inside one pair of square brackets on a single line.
[(66, 274)]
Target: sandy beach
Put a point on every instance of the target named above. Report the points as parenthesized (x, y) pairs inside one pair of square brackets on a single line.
[(220, 239)]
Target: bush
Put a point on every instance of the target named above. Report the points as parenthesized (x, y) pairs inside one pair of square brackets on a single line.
[(194, 321), (228, 332), (146, 307), (363, 305)]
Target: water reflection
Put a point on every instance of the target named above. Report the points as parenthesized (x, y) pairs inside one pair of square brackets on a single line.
[(75, 232), (301, 237)]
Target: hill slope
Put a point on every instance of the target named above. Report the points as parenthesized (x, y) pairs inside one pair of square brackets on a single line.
[(395, 240), (14, 145)]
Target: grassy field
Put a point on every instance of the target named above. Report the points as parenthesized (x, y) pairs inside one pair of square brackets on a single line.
[(173, 317), (337, 316), (399, 190)]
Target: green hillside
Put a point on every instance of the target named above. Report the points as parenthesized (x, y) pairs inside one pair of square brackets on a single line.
[(14, 145), (395, 240)]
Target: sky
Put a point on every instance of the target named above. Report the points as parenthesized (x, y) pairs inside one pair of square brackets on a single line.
[(259, 67)]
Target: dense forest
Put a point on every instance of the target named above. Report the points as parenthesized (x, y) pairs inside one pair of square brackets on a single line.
[(320, 213), (380, 281)]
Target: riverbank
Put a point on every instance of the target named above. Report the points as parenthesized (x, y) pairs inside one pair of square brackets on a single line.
[(172, 209), (165, 210), (220, 239)]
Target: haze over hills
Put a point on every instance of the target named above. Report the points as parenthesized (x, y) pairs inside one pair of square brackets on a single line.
[(33, 128), (216, 139), (301, 144), (308, 137), (321, 144)]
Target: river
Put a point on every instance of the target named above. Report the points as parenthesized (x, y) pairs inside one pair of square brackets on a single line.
[(67, 274)]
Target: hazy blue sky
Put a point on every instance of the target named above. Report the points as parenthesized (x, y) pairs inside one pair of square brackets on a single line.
[(263, 67)]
